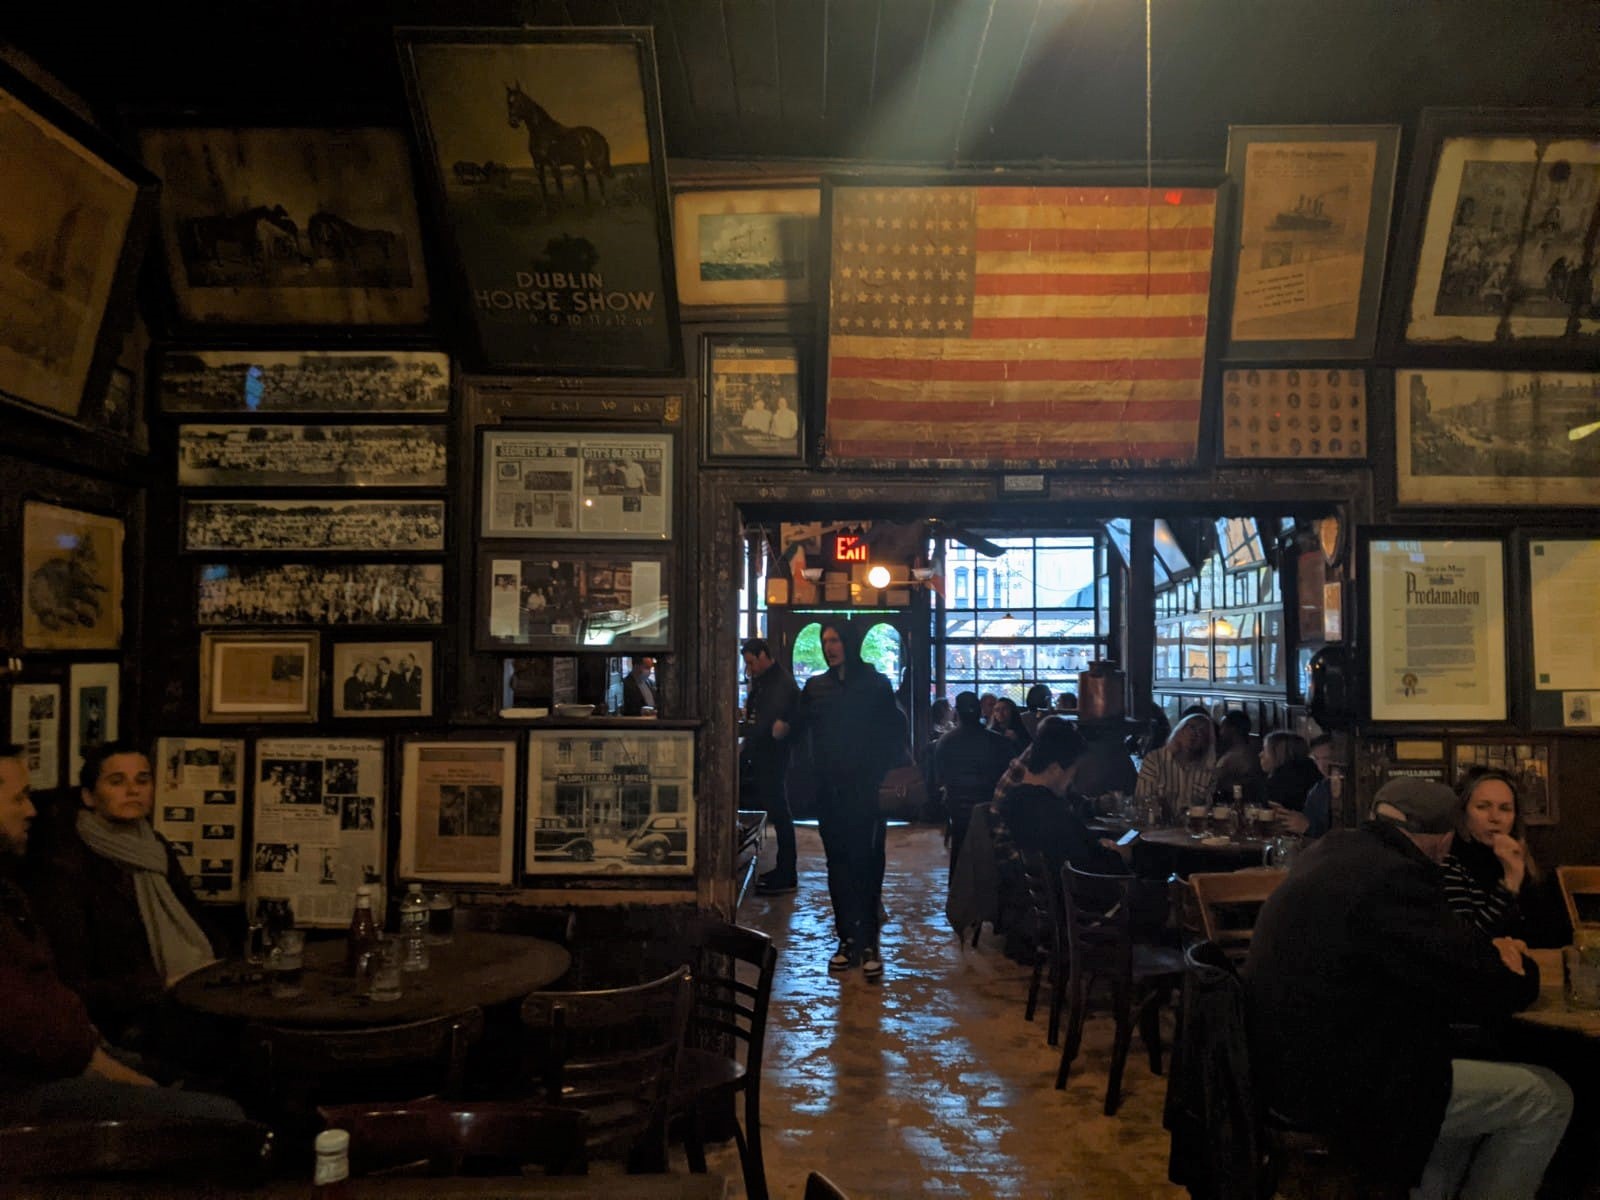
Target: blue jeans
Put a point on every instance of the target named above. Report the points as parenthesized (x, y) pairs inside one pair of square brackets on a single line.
[(90, 1097), (1500, 1130)]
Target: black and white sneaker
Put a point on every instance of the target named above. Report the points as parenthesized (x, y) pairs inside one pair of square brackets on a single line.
[(843, 958), (773, 884), (871, 963)]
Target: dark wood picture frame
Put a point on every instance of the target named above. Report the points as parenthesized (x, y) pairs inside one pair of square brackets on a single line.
[(725, 437), (304, 383), (572, 623), (1294, 413), (763, 233), (1552, 703), (644, 484), (1537, 798)]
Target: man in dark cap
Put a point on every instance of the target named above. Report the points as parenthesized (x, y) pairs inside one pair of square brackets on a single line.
[(769, 712), (1357, 969), (967, 763)]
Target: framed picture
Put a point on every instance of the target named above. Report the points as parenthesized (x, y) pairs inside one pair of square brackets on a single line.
[(1563, 640), (1501, 229), (383, 679), (314, 526), (320, 594), (1494, 438), (1296, 413), (250, 677), (754, 399), (289, 227), (1313, 227), (296, 382), (95, 692), (200, 810), (458, 802), (556, 601), (610, 802), (1530, 762), (36, 727), (1436, 628), (744, 248), (311, 455), (597, 484), (64, 250), (72, 579), (545, 153)]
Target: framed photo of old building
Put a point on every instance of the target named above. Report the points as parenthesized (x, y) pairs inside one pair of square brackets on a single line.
[(610, 802), (544, 600), (314, 525), (320, 594), (550, 483), (754, 399), (301, 382), (383, 679), (1313, 226), (1500, 230), (458, 803), (263, 455), (254, 677), (71, 579), (545, 154), (750, 247), (289, 227), (1493, 438)]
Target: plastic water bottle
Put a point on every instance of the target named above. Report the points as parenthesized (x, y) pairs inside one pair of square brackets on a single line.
[(414, 929)]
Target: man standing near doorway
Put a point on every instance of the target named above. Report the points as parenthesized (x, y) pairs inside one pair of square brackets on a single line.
[(769, 713), (857, 734), (638, 689)]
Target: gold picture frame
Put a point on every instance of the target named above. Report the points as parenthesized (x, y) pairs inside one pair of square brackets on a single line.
[(746, 247), (253, 677), (72, 579)]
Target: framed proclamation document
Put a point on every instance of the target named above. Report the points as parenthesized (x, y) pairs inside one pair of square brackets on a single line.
[(1436, 628)]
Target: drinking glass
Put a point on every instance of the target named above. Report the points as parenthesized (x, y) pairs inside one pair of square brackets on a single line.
[(1581, 977), (1261, 820), (441, 918), (1198, 813), (380, 971), (286, 965)]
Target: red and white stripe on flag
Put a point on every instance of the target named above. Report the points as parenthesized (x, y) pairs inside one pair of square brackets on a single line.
[(1037, 324)]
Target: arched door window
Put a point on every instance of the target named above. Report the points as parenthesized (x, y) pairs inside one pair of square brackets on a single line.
[(808, 660), (882, 649)]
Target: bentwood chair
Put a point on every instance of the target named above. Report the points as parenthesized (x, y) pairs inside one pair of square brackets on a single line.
[(1228, 903), (436, 1137), (820, 1187), (231, 1152), (1045, 915), (1580, 888)]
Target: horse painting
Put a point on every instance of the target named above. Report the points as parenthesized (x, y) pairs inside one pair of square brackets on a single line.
[(553, 146), (334, 238), (252, 236)]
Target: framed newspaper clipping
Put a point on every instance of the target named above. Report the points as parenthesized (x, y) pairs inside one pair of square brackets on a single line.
[(1563, 646), (457, 810), (542, 483), (543, 600), (200, 810)]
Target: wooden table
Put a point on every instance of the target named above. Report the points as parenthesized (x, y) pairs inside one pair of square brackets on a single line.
[(481, 969), (1550, 1010), (1161, 852), (603, 1184)]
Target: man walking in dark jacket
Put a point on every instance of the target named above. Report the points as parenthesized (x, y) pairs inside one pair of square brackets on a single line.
[(1357, 969), (770, 713), (856, 735)]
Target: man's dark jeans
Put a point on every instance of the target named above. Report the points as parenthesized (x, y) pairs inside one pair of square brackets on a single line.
[(852, 838)]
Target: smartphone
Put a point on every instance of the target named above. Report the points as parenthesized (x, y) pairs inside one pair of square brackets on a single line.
[(1128, 838)]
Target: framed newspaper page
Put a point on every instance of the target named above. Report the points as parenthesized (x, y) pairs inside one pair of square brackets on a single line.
[(1436, 628), (458, 803), (1563, 641), (579, 484), (553, 600)]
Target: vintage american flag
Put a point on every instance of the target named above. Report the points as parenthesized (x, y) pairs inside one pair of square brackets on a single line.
[(1038, 324)]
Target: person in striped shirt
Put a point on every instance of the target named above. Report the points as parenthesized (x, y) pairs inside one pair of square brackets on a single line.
[(1182, 772), (1489, 866)]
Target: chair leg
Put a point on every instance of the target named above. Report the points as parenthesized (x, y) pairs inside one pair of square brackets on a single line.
[(1123, 1005), (755, 1168), (1033, 989), (1150, 1025), (1075, 1014), (694, 1140), (1058, 990), (976, 930)]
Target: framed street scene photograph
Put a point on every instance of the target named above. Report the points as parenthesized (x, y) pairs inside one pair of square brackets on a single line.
[(545, 153), (1313, 227), (251, 677), (304, 381), (1530, 762), (1436, 616), (289, 226), (610, 802), (754, 399), (458, 804), (383, 679), (314, 526), (1503, 242), (71, 579), (745, 247), (539, 600), (576, 485), (1564, 638), (1295, 413), (94, 692), (318, 594), (311, 455), (1490, 438), (63, 230)]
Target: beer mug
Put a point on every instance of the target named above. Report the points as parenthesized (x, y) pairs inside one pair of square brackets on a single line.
[(1198, 815), (286, 965), (1281, 851)]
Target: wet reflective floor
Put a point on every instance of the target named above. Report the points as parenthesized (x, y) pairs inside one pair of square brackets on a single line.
[(930, 1083)]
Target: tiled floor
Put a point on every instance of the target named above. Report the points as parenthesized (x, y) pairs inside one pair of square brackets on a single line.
[(930, 1083)]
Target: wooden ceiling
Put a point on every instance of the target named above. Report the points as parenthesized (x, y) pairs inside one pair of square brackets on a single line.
[(926, 81)]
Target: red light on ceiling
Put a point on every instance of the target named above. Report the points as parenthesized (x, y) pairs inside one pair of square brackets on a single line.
[(1173, 197)]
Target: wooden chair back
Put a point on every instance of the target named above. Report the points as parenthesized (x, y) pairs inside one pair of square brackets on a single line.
[(733, 972), (233, 1151), (477, 1138), (1228, 902), (1580, 883), (820, 1187), (1097, 917)]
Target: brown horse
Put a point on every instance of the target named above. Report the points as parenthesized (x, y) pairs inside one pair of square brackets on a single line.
[(552, 145), (244, 235)]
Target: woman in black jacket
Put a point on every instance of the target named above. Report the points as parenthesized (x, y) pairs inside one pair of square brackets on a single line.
[(1491, 879)]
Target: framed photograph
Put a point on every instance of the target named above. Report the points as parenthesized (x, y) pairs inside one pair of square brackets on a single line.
[(538, 483), (320, 594), (297, 382), (1501, 226), (72, 579), (545, 153), (63, 246), (1494, 438), (1313, 227), (1301, 414), (95, 692), (200, 810), (458, 803), (314, 526), (290, 227), (534, 599), (746, 248), (250, 677), (1530, 762), (1436, 612), (312, 455), (754, 399), (610, 802), (36, 727), (383, 679), (1563, 640)]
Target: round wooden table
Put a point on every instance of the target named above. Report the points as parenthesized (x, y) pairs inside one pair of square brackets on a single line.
[(482, 969), (1162, 852)]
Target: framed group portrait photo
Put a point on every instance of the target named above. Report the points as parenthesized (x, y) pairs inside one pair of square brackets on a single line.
[(383, 679), (754, 398)]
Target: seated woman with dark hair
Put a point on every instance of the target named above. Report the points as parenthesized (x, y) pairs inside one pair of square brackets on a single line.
[(1490, 878), (1005, 720), (1290, 771), (1039, 812)]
